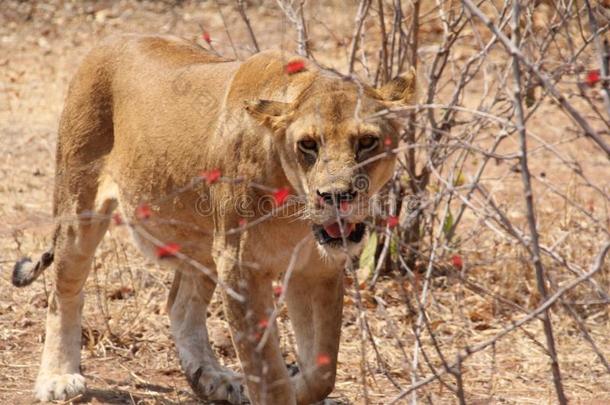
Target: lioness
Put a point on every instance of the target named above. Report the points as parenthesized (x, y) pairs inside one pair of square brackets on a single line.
[(143, 117)]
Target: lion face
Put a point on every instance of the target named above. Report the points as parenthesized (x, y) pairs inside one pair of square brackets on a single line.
[(336, 150)]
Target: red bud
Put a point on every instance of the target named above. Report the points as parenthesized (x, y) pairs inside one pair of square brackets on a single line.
[(457, 262), (295, 67), (263, 323), (593, 77), (167, 250), (281, 195), (143, 211), (323, 359), (211, 176), (392, 221)]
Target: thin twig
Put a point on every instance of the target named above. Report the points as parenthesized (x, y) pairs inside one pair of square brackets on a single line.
[(384, 43), (297, 18), (363, 9), (224, 23), (531, 214), (242, 11)]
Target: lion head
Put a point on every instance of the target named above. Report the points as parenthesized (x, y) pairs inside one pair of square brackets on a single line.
[(335, 147)]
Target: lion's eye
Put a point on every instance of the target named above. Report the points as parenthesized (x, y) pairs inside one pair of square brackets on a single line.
[(367, 144), (309, 147)]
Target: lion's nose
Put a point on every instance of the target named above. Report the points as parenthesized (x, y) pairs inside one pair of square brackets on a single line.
[(337, 197)]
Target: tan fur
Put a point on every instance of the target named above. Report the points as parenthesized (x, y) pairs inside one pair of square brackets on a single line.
[(143, 117)]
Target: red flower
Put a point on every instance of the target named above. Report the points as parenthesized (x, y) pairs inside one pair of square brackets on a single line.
[(295, 66), (277, 291), (387, 142), (206, 37), (392, 221), (143, 211), (280, 195), (167, 250), (457, 262), (593, 77), (116, 218), (323, 359), (211, 176), (242, 222)]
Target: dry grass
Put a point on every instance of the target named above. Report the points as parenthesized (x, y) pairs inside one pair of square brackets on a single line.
[(128, 354)]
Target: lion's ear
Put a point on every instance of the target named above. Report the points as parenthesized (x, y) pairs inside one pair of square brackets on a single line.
[(272, 114), (401, 89)]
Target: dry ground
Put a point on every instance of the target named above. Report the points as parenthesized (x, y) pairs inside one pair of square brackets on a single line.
[(128, 356)]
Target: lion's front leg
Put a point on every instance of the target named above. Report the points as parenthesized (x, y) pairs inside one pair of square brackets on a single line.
[(248, 303), (189, 298), (315, 306)]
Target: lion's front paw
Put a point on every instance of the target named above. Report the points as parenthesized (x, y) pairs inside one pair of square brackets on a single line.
[(59, 386), (214, 385)]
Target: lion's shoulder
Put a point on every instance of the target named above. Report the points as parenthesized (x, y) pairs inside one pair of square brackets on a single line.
[(265, 75)]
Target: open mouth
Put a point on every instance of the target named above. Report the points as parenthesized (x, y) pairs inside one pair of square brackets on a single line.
[(330, 234)]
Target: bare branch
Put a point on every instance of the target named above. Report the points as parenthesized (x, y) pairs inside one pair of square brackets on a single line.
[(544, 79), (531, 215), (244, 16), (360, 17)]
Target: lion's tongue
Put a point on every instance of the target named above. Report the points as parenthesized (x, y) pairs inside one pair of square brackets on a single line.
[(334, 230)]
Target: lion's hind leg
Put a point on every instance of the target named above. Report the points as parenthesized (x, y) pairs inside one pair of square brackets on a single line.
[(189, 298), (59, 377), (82, 220)]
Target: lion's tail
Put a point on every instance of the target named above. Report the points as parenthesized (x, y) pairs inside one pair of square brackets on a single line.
[(26, 272)]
